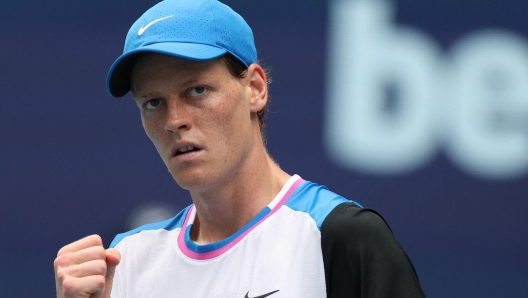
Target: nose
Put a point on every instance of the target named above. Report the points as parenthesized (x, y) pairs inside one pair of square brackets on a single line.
[(177, 118)]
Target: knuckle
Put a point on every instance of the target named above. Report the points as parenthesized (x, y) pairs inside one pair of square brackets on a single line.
[(61, 275), (62, 251), (63, 260), (57, 263), (100, 267), (69, 286), (61, 263), (95, 240), (99, 281), (100, 252)]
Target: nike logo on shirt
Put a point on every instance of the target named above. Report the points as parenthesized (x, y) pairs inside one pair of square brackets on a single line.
[(261, 296), (143, 29)]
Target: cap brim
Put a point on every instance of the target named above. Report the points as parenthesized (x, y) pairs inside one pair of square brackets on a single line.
[(118, 79)]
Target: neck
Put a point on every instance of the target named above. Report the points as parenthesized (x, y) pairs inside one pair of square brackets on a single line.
[(225, 210)]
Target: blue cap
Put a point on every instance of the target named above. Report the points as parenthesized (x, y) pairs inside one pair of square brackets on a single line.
[(197, 30)]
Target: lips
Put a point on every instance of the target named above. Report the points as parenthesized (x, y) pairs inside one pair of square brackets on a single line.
[(186, 149), (183, 148)]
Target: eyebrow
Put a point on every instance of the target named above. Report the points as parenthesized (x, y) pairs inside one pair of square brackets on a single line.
[(153, 94), (198, 74)]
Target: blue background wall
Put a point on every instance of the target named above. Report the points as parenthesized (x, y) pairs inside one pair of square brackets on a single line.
[(74, 161)]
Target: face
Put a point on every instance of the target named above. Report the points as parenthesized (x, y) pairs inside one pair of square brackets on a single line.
[(201, 119)]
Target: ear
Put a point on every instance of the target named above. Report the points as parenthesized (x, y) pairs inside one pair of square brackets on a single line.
[(258, 87)]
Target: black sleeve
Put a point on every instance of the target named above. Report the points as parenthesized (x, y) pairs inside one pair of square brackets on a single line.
[(363, 259)]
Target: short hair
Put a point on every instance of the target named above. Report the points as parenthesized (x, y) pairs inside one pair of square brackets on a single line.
[(239, 70)]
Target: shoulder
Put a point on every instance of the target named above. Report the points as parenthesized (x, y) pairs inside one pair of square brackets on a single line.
[(362, 256), (316, 200), (360, 232), (347, 221)]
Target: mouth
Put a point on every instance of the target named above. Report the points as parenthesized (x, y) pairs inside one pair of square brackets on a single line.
[(187, 149), (184, 149)]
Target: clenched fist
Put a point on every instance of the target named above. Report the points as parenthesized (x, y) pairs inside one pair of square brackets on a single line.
[(84, 269)]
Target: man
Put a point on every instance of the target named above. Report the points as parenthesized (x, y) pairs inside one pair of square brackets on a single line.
[(253, 230)]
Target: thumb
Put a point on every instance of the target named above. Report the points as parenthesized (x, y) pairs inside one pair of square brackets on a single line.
[(113, 257)]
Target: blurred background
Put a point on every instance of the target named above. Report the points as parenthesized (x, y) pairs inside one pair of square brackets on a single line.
[(418, 109)]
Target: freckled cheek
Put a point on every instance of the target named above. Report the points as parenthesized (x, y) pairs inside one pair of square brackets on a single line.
[(223, 121), (147, 126), (154, 134), (232, 129)]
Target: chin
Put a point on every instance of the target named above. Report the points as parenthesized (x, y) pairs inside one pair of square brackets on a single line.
[(191, 181)]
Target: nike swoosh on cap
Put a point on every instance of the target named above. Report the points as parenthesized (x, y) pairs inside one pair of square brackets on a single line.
[(261, 296), (143, 29)]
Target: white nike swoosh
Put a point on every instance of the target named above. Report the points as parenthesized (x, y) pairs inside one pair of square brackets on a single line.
[(143, 29)]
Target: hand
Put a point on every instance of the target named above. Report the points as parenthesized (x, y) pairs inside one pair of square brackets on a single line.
[(84, 269)]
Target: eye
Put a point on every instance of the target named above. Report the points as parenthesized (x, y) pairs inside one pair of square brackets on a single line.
[(198, 91), (153, 103)]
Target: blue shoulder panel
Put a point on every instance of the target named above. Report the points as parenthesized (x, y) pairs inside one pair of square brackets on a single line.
[(316, 200), (169, 225)]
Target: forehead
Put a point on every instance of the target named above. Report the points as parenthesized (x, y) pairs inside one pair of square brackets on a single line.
[(152, 66)]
